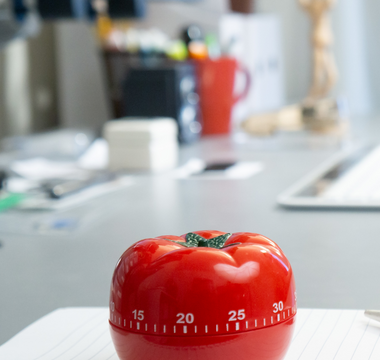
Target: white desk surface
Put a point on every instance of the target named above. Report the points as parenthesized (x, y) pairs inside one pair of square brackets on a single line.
[(334, 254)]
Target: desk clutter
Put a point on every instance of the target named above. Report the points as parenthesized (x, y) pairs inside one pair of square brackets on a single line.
[(56, 170), (190, 79), (65, 168), (237, 78), (83, 334)]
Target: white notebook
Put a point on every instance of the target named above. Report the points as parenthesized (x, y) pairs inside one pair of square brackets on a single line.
[(83, 334)]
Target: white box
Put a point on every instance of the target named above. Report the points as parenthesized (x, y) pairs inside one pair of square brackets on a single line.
[(146, 144)]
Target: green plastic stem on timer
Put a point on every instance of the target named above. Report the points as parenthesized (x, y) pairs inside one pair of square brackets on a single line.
[(195, 240)]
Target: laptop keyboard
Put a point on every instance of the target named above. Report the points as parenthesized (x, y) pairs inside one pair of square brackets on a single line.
[(360, 183)]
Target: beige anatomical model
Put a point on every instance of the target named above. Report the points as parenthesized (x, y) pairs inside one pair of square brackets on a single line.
[(319, 112), (324, 68)]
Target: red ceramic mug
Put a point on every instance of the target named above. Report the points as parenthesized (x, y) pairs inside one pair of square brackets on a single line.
[(216, 79)]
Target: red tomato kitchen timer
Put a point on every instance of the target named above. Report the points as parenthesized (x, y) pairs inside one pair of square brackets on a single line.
[(204, 295)]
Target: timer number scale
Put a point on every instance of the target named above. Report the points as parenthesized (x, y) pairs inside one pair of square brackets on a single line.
[(185, 323)]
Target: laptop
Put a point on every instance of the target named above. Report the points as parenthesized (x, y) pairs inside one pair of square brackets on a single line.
[(349, 179)]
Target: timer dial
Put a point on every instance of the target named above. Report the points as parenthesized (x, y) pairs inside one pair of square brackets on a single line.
[(200, 292)]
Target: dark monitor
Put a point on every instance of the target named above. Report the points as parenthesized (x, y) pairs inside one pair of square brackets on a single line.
[(84, 9), (126, 8)]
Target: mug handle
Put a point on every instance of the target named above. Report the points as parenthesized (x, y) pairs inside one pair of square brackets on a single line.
[(248, 81)]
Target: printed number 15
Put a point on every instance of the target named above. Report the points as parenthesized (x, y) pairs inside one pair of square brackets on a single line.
[(138, 315)]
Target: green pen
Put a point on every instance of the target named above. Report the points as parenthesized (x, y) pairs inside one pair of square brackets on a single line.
[(10, 200)]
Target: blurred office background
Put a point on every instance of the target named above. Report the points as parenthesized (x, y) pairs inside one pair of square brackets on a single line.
[(57, 78)]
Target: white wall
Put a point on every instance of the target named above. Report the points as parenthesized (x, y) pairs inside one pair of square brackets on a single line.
[(27, 85), (371, 11), (352, 56), (83, 101), (17, 91), (351, 21), (296, 48)]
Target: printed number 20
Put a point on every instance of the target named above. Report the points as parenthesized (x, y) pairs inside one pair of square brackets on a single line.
[(185, 318)]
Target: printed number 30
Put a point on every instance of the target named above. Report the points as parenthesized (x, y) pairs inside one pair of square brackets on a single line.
[(278, 307), (239, 315)]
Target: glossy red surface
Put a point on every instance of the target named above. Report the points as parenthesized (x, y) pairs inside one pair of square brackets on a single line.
[(229, 303), (216, 79)]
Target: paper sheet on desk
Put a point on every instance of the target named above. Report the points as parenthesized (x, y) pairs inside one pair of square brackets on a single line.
[(92, 192), (80, 333), (83, 334), (334, 335), (194, 170), (41, 169), (37, 169)]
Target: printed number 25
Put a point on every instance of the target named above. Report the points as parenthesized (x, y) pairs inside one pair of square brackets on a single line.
[(239, 315)]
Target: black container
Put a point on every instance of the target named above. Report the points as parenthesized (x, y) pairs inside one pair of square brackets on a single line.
[(164, 90)]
